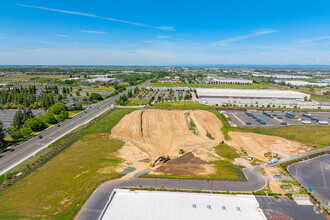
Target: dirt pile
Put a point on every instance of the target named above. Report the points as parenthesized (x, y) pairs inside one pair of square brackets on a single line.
[(186, 165), (258, 144), (160, 132)]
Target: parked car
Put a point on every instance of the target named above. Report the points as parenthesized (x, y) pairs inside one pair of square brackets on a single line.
[(277, 176), (279, 117), (39, 136), (248, 123), (58, 125), (284, 123), (11, 150)]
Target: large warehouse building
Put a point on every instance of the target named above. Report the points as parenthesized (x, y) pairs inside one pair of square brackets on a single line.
[(251, 94), (126, 204), (223, 80)]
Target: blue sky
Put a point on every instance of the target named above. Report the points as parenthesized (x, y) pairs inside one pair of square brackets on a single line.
[(194, 32)]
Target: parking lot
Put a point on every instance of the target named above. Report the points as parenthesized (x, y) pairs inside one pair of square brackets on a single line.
[(286, 208), (275, 119), (316, 174)]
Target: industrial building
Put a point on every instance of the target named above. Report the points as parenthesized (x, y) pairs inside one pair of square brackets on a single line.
[(223, 80), (127, 204), (251, 94)]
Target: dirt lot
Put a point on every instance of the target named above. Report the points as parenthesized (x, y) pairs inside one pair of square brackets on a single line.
[(186, 165), (257, 144), (159, 132)]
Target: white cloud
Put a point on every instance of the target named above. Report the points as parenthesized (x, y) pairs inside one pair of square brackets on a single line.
[(61, 35), (93, 32), (313, 39), (243, 37), (163, 36), (165, 28)]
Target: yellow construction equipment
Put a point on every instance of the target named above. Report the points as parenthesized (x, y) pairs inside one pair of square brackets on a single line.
[(244, 151), (163, 159), (181, 151), (271, 155)]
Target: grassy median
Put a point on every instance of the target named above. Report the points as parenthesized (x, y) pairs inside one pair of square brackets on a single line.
[(58, 189)]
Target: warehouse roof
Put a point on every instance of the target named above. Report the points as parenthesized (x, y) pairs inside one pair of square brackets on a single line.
[(126, 204), (251, 93)]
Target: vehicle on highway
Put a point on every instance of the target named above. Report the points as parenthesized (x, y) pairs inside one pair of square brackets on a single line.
[(277, 176), (284, 123), (39, 136), (248, 123), (11, 150), (58, 125), (306, 122), (279, 117)]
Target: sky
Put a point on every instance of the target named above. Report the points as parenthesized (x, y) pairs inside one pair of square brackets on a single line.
[(158, 32)]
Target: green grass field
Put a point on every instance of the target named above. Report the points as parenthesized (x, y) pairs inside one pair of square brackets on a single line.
[(183, 105), (320, 98), (136, 102), (227, 152), (58, 189), (224, 86)]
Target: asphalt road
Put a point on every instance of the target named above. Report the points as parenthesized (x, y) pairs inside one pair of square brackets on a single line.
[(23, 151), (256, 181)]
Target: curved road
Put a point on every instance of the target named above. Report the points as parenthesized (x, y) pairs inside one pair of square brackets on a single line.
[(256, 181), (23, 151)]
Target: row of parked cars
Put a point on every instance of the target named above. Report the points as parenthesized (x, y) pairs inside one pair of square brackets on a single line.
[(260, 121)]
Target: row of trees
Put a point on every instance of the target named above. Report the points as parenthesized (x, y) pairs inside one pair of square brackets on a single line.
[(24, 122)]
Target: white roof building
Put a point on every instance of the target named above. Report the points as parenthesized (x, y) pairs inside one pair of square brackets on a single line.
[(250, 94), (161, 205)]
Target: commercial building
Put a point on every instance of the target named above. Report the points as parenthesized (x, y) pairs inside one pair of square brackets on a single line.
[(126, 204), (251, 94), (280, 76), (111, 80), (304, 83), (223, 80)]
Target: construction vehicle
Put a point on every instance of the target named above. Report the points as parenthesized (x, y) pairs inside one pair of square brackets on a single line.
[(250, 157), (271, 155), (162, 159), (244, 151), (181, 151)]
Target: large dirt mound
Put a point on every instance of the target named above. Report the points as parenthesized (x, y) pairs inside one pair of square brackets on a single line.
[(258, 144), (160, 132)]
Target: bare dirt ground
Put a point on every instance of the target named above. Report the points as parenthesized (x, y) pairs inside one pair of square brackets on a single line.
[(186, 165), (257, 144), (160, 132)]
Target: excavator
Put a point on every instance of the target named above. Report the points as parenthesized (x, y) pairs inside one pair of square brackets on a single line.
[(271, 155), (163, 159), (181, 151)]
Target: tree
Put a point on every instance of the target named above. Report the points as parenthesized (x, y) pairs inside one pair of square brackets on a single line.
[(305, 98), (57, 108), (18, 120), (96, 96), (14, 133), (27, 114), (78, 105), (35, 124), (63, 115), (50, 118), (25, 131), (77, 93)]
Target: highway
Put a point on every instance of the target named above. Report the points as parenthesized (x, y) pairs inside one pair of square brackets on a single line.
[(23, 151)]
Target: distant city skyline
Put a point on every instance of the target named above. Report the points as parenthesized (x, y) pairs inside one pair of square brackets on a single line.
[(101, 32)]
